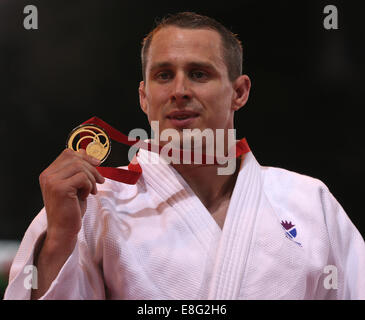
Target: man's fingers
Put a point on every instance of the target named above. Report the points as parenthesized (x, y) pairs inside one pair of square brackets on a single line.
[(71, 163), (72, 158), (94, 162), (90, 159), (81, 182), (71, 166), (75, 167), (71, 154)]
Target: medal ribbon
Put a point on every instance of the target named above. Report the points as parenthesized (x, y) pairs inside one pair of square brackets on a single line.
[(134, 171)]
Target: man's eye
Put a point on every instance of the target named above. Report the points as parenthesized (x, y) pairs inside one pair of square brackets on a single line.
[(199, 75), (163, 75)]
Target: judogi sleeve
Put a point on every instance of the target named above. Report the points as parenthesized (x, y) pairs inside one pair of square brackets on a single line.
[(347, 250), (79, 278)]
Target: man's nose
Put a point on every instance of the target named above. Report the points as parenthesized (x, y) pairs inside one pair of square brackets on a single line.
[(181, 90)]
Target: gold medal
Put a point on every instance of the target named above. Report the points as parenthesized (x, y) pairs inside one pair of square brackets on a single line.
[(99, 144)]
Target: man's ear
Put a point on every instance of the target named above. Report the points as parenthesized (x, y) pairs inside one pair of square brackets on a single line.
[(142, 97), (241, 87)]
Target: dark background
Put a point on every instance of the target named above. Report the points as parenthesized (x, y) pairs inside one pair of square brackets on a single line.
[(304, 111)]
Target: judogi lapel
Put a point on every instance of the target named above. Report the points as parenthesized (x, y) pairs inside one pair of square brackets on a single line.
[(234, 246), (228, 249), (173, 189)]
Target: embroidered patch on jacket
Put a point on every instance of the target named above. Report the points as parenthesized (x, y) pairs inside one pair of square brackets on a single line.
[(290, 231)]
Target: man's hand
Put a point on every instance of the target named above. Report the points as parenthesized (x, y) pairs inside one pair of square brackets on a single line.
[(65, 186)]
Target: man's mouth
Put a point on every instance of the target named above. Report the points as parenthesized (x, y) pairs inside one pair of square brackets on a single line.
[(182, 118), (181, 115)]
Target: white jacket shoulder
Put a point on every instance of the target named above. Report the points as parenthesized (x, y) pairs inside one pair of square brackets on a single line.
[(283, 179)]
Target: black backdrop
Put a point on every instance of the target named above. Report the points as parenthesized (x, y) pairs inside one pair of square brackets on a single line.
[(304, 111)]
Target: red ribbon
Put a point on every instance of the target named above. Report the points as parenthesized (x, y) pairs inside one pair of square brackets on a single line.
[(134, 171)]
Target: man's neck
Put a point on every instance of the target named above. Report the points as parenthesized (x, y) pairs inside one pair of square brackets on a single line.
[(208, 186)]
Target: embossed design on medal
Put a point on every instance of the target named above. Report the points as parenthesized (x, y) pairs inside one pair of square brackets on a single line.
[(98, 144)]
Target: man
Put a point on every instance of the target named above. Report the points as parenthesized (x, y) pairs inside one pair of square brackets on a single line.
[(183, 231)]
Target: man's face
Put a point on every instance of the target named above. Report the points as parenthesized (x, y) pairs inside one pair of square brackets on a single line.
[(187, 84)]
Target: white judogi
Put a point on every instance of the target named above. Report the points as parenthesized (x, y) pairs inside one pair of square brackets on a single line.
[(156, 240)]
